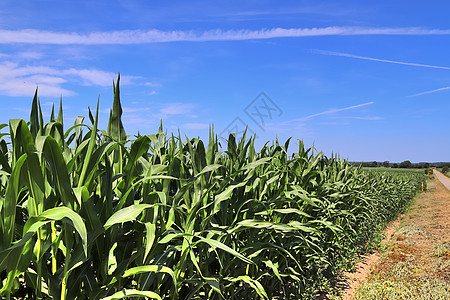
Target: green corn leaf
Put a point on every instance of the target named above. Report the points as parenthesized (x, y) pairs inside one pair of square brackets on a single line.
[(147, 269), (10, 202), (126, 214), (24, 142), (150, 230), (60, 118), (52, 114), (130, 293), (258, 224), (302, 226), (34, 116), (64, 214), (214, 283), (12, 253), (96, 158), (273, 267), (16, 260), (88, 208), (169, 237), (52, 152), (115, 128), (285, 211), (138, 148), (216, 244), (226, 194), (90, 149), (209, 168), (257, 163), (259, 289), (41, 118)]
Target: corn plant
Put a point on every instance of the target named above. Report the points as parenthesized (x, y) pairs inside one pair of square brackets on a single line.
[(98, 214)]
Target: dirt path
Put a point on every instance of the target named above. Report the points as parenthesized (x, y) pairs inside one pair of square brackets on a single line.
[(363, 269), (442, 178), (415, 263)]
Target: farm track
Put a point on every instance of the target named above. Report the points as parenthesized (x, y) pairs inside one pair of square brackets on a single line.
[(414, 263), (442, 178)]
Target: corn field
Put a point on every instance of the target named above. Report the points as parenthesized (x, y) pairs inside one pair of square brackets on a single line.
[(97, 214)]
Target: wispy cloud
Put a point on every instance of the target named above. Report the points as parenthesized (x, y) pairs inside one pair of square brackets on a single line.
[(22, 81), (331, 111), (177, 108), (135, 109), (97, 77), (286, 128), (152, 84), (378, 59), (196, 125), (31, 55), (372, 118), (18, 80), (304, 10), (392, 62), (432, 91), (33, 36), (25, 55)]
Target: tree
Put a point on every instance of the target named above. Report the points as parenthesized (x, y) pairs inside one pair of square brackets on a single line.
[(405, 164)]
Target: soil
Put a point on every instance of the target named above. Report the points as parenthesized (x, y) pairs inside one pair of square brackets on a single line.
[(420, 239), (363, 269)]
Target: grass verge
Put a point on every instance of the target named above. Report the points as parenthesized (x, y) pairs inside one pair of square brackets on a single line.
[(416, 264)]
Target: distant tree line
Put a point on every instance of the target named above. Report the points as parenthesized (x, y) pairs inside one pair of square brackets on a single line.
[(404, 164)]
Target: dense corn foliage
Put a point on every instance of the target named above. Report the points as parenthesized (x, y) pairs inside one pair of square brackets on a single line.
[(94, 214)]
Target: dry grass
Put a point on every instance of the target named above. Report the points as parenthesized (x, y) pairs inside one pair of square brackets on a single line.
[(417, 263)]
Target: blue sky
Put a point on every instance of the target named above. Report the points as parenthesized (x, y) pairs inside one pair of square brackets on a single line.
[(367, 80)]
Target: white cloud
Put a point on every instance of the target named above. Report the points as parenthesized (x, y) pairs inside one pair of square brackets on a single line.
[(152, 84), (135, 109), (20, 56), (142, 121), (374, 118), (429, 92), (378, 59), (196, 126), (18, 80), (19, 88), (287, 129), (177, 108), (97, 77), (29, 55), (300, 125), (33, 36), (331, 111), (22, 81), (45, 79)]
